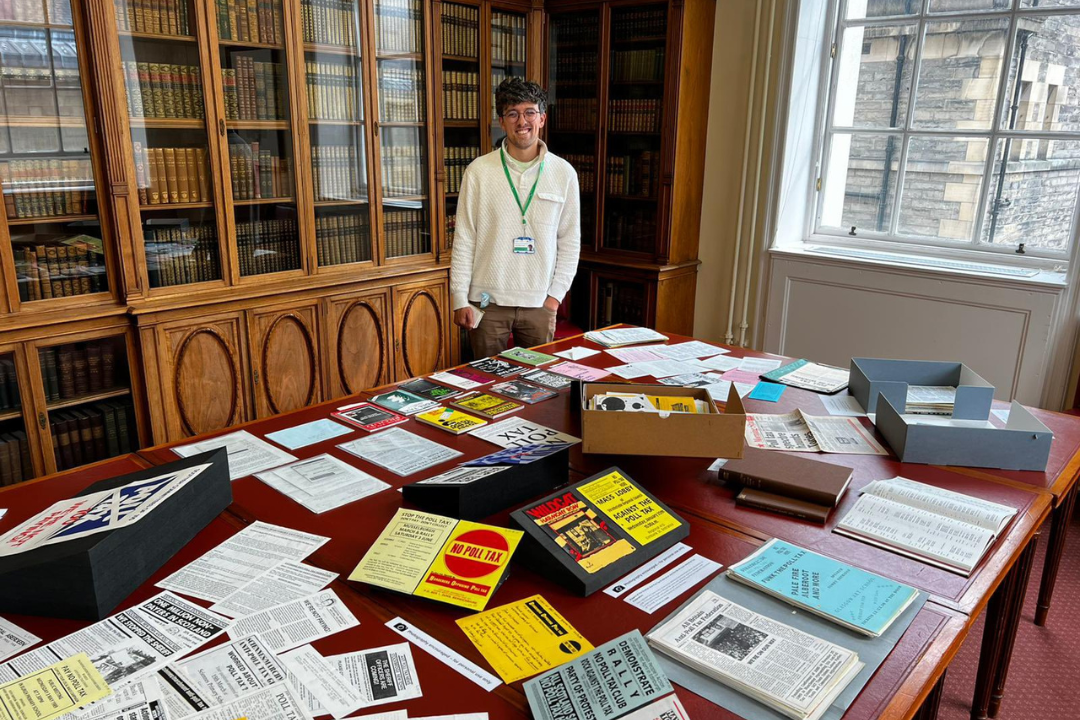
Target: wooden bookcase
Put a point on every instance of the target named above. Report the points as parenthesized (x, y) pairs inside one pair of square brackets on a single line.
[(248, 202)]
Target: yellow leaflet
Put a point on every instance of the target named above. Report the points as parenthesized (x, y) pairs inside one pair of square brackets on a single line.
[(450, 419), (673, 404), (57, 690), (469, 566), (403, 551), (635, 512), (524, 638)]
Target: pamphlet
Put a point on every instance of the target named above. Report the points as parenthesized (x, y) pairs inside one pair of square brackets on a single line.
[(247, 454), (13, 639), (53, 691), (767, 391), (495, 366), (318, 685), (758, 365), (486, 405), (427, 389), (375, 677), (796, 431), (227, 672), (658, 593), (240, 559), (578, 371), (275, 702), (518, 432), (288, 580), (690, 350), (810, 376), (526, 356), (462, 378), (633, 355), (719, 363), (309, 433), (632, 510), (547, 379), (322, 483), (368, 417), (523, 391), (401, 555), (604, 684), (524, 638), (658, 369), (297, 622), (451, 420), (400, 451), (403, 402), (624, 336)]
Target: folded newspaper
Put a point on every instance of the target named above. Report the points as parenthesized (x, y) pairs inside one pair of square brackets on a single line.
[(795, 674), (798, 432)]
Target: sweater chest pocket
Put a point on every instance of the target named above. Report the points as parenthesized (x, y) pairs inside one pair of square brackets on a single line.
[(547, 209)]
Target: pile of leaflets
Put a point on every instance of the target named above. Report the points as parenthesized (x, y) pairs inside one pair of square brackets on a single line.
[(639, 402), (930, 399), (621, 337)]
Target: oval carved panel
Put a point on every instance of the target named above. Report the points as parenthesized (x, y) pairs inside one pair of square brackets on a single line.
[(360, 350), (422, 334), (205, 383), (289, 366)]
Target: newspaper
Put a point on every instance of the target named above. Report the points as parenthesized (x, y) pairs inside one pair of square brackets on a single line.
[(377, 676), (131, 701), (240, 559), (13, 639), (297, 622), (131, 643), (400, 451), (322, 483), (318, 685), (227, 672), (798, 432), (786, 669), (247, 453), (288, 580), (95, 513), (275, 702)]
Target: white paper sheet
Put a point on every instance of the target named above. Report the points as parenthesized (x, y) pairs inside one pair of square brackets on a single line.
[(758, 365), (317, 683), (227, 672), (720, 363), (322, 483), (288, 580), (297, 622), (309, 433), (451, 658), (13, 639), (275, 702), (625, 584), (577, 353), (400, 451), (690, 350), (378, 675), (240, 559), (635, 355), (247, 454), (843, 404), (518, 432), (672, 584)]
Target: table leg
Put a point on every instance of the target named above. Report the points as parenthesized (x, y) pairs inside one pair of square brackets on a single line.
[(1055, 546), (1014, 607), (993, 635), (929, 709)]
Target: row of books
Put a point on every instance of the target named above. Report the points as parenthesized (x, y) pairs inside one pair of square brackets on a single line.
[(638, 65), (399, 26), (162, 17), (54, 12), (161, 90), (343, 239), (572, 30), (9, 385), (329, 22), (15, 463), (456, 159), (634, 174), (181, 253), (461, 95), (647, 22), (622, 302), (451, 229), (258, 172), (401, 94), (406, 232), (508, 39), (46, 188), (171, 175), (586, 170), (88, 434), (15, 74), (253, 90), (333, 91), (39, 54), (577, 69), (339, 173), (631, 228), (402, 170), (267, 246), (635, 116), (78, 369), (461, 30), (255, 21), (66, 268), (574, 113)]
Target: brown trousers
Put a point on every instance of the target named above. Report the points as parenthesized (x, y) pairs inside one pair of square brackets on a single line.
[(531, 326)]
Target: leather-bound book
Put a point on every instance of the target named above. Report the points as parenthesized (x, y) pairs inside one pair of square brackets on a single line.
[(792, 476), (782, 504)]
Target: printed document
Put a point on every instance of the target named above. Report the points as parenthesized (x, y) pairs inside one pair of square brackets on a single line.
[(373, 677), (247, 453), (230, 671), (658, 593), (275, 702), (400, 451), (288, 580), (322, 483), (318, 685), (297, 622), (308, 433), (444, 654), (691, 350), (52, 691), (518, 432), (13, 639), (799, 432)]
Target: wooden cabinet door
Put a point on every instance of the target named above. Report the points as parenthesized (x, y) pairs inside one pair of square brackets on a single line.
[(421, 327), (357, 341), (202, 386), (285, 373)]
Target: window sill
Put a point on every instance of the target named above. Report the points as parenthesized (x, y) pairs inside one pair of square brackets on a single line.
[(1050, 279)]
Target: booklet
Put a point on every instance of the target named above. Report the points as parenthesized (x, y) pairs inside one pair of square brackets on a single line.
[(523, 391), (527, 357), (547, 379), (454, 561), (451, 420), (404, 402), (519, 432), (462, 378), (427, 389), (495, 366), (489, 406), (368, 417), (857, 599), (624, 336), (810, 376)]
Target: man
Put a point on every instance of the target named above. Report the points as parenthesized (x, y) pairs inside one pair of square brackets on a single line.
[(518, 231)]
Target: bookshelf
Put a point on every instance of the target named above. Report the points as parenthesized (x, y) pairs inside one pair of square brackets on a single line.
[(460, 101), (16, 461), (509, 43)]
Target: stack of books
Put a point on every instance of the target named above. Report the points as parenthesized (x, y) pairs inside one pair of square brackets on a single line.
[(787, 484), (172, 175)]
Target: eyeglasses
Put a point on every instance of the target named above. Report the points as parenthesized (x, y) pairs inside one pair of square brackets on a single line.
[(513, 115)]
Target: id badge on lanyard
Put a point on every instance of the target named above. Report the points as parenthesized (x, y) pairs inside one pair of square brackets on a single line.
[(524, 244)]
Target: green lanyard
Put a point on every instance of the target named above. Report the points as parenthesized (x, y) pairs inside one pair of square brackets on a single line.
[(513, 188)]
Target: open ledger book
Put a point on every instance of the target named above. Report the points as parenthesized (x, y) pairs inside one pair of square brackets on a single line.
[(943, 528), (788, 670)]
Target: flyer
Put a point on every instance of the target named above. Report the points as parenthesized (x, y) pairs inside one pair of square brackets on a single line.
[(13, 639), (495, 366), (368, 417), (519, 432), (401, 555), (288, 580), (462, 378), (308, 433), (444, 654), (427, 389), (524, 638), (230, 671), (523, 391), (526, 356), (377, 676), (297, 622), (606, 683), (451, 420), (578, 371), (247, 454), (322, 483), (275, 702), (489, 406), (53, 691), (400, 451), (579, 531), (318, 685), (632, 510), (547, 379), (403, 402)]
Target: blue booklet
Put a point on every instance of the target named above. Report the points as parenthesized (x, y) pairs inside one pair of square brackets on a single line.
[(857, 599)]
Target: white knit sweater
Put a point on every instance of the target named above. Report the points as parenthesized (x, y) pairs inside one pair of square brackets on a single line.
[(488, 220)]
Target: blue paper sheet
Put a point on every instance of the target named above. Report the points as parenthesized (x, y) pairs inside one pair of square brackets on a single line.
[(308, 434), (769, 392)]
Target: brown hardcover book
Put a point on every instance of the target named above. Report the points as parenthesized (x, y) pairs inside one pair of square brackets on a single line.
[(24, 455), (108, 364), (86, 436), (80, 371), (7, 475), (155, 158), (761, 500), (57, 286), (97, 430), (65, 362), (64, 426), (794, 477), (93, 367), (140, 174), (183, 195), (171, 177), (67, 271), (194, 191), (79, 254)]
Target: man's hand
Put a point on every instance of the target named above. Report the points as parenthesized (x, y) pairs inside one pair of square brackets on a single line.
[(551, 304), (463, 317)]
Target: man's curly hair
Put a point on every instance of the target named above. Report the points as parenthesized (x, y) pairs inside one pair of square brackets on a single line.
[(514, 91)]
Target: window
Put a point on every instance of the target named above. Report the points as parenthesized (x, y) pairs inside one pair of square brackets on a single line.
[(953, 124)]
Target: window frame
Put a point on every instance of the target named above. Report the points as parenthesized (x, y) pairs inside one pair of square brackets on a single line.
[(891, 240)]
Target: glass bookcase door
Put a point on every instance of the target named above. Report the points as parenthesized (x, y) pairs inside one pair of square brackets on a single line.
[(46, 163), (259, 138), (573, 104), (634, 124), (335, 111), (508, 43), (166, 104), (16, 463), (402, 130), (462, 127), (89, 409)]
